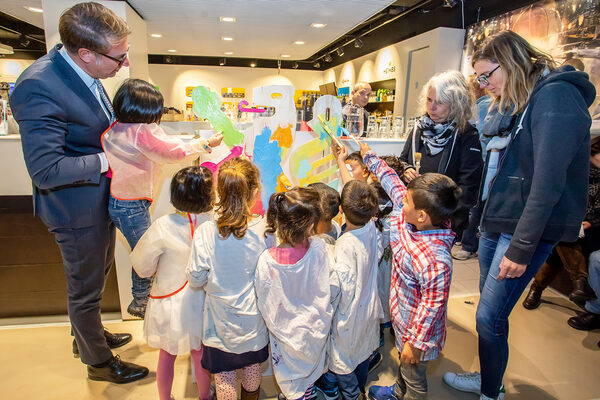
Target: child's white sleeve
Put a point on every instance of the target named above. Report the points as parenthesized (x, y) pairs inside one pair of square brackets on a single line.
[(334, 279), (199, 264), (147, 252), (345, 268)]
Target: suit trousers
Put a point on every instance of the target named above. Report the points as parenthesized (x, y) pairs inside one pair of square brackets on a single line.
[(88, 255)]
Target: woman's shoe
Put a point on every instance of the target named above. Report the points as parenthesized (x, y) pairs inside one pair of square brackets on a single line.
[(534, 297)]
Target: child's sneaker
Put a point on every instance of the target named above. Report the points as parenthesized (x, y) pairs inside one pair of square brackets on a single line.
[(382, 393), (328, 388), (465, 382)]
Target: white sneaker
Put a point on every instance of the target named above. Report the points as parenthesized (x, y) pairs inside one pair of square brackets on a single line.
[(465, 382), (463, 255), (469, 382)]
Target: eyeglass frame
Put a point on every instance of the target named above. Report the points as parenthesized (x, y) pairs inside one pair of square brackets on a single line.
[(483, 79), (119, 61)]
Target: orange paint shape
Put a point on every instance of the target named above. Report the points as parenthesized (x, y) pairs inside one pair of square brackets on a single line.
[(283, 136)]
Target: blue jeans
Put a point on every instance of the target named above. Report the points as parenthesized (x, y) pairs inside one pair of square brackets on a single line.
[(353, 384), (593, 306), (495, 304), (132, 218)]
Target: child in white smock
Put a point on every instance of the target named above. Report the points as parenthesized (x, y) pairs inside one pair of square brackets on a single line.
[(355, 325), (174, 314), (223, 262), (294, 294), (136, 146)]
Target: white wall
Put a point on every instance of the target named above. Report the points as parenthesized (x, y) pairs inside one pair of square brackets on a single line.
[(173, 79), (445, 46), (11, 69)]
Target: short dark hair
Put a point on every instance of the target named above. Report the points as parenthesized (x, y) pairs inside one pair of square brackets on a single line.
[(91, 26), (355, 156), (394, 163), (436, 194), (293, 215), (137, 101), (192, 190), (359, 202), (329, 200)]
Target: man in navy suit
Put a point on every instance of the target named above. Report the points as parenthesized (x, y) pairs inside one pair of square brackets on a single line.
[(62, 110)]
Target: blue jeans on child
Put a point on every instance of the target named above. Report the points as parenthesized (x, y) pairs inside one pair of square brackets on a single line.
[(495, 304), (132, 218), (353, 384), (593, 306)]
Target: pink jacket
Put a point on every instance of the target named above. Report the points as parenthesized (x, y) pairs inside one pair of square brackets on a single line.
[(135, 153)]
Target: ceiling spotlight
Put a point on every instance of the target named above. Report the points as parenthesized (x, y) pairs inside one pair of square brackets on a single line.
[(157, 35), (318, 25), (227, 39), (228, 53), (340, 51), (253, 64), (35, 9), (327, 58), (295, 65), (227, 19), (450, 3), (317, 64), (172, 51), (24, 40), (222, 61), (358, 42), (285, 56), (298, 42)]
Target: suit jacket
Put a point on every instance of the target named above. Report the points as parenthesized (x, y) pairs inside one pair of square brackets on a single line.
[(61, 123)]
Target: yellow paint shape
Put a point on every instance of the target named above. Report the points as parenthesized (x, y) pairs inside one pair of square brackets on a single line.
[(283, 136), (276, 95)]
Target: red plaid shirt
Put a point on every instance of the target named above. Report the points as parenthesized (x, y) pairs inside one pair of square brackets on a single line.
[(421, 272)]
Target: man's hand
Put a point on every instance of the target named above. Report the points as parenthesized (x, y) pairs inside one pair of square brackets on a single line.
[(410, 355), (410, 174), (509, 269)]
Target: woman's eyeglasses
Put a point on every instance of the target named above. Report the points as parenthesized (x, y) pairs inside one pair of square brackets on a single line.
[(483, 78), (119, 61)]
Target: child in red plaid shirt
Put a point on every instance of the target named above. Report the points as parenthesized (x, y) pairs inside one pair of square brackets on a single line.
[(421, 240)]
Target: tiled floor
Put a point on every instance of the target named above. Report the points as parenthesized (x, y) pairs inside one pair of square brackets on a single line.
[(548, 359)]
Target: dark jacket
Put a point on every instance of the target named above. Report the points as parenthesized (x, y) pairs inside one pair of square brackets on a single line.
[(461, 161), (540, 190), (61, 122)]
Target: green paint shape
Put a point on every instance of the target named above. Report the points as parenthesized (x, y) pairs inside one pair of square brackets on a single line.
[(208, 105)]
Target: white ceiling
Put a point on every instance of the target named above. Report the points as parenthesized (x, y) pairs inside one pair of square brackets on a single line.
[(263, 28)]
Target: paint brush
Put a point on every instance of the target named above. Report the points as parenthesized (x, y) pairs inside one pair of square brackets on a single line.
[(418, 161), (351, 136), (331, 135)]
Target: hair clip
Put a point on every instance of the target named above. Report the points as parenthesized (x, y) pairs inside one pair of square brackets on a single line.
[(230, 167)]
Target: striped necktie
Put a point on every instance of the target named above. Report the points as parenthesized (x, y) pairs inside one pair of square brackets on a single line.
[(104, 98)]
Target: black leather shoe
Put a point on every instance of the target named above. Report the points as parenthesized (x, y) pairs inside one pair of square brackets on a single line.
[(585, 322), (582, 292), (534, 297), (114, 340), (117, 371)]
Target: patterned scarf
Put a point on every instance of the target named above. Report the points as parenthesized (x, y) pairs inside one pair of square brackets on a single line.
[(434, 136)]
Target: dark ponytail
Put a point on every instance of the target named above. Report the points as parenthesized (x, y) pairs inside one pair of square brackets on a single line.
[(293, 215)]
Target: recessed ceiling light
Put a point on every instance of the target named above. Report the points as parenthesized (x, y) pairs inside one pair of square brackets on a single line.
[(35, 9), (172, 51), (228, 53), (226, 38), (298, 42), (285, 56), (318, 25), (156, 35), (227, 19), (253, 64)]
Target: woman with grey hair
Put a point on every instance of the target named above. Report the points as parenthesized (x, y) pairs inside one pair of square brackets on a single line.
[(445, 140)]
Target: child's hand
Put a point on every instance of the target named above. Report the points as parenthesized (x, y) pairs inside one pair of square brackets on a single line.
[(215, 139), (340, 154), (364, 148), (410, 355)]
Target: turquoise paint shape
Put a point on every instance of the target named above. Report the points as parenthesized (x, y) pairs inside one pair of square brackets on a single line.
[(267, 158), (334, 184), (303, 169)]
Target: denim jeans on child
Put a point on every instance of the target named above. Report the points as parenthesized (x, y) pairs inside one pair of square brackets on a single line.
[(353, 384), (412, 381), (593, 306), (495, 304), (132, 218)]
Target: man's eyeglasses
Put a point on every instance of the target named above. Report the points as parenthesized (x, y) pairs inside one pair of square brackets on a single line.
[(119, 61), (483, 78)]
